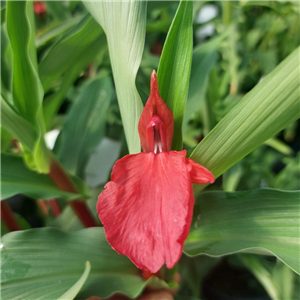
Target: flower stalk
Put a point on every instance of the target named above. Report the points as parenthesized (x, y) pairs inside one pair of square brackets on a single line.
[(62, 180)]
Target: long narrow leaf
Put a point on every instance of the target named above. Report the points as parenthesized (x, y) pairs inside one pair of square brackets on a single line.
[(16, 178), (27, 90), (124, 24), (175, 66), (19, 127), (85, 125), (270, 107), (266, 219), (69, 50)]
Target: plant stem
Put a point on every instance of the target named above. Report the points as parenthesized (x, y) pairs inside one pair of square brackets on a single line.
[(55, 207), (62, 180), (8, 217)]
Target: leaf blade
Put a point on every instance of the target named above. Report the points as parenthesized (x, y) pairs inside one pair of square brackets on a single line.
[(258, 219), (175, 65), (124, 24), (270, 107)]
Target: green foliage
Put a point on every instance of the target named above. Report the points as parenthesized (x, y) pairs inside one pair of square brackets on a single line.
[(125, 37), (65, 261), (225, 223), (82, 69), (174, 67), (16, 178)]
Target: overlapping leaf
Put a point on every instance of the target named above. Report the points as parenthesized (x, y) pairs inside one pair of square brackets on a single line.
[(263, 219), (24, 264), (85, 125), (175, 66), (270, 107), (27, 90), (16, 178)]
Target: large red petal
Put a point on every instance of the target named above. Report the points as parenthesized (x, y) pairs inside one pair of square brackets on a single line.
[(155, 105), (147, 208), (198, 173)]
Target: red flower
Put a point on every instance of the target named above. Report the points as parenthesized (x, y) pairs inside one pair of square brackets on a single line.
[(146, 209), (39, 7)]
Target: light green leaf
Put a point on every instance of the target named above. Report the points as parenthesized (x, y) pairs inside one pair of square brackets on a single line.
[(263, 219), (267, 109), (16, 178), (254, 264), (74, 290), (69, 50), (175, 66), (85, 125), (279, 146), (124, 24), (27, 90), (47, 256)]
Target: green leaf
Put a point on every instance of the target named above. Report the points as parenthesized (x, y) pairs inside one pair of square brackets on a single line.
[(264, 219), (124, 24), (74, 290), (45, 257), (27, 90), (58, 9), (254, 264), (85, 125), (26, 87), (175, 66), (204, 58), (16, 178), (55, 31), (72, 48), (19, 127), (267, 109)]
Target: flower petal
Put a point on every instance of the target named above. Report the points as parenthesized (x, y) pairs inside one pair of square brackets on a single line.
[(147, 208), (198, 173), (156, 106)]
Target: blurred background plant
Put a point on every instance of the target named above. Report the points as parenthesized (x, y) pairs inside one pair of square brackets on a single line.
[(60, 76)]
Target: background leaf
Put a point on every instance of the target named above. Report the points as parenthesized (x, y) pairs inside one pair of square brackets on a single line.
[(270, 107), (204, 58), (175, 65), (85, 125), (225, 223), (124, 24), (27, 90), (16, 178), (23, 261), (69, 50)]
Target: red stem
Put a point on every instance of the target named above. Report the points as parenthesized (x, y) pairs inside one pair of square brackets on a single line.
[(8, 217), (61, 179), (55, 207)]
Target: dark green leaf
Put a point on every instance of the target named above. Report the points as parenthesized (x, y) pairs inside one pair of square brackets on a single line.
[(72, 48), (85, 125), (175, 66), (16, 178)]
